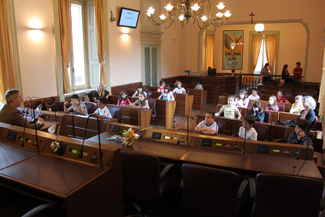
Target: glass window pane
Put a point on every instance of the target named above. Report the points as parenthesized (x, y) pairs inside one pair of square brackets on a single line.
[(78, 44)]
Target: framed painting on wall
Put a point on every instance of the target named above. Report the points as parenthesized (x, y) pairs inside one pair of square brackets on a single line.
[(232, 52)]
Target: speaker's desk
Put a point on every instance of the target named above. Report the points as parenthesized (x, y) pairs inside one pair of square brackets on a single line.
[(225, 152), (79, 185)]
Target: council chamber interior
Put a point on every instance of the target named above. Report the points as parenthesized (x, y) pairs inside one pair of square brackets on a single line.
[(79, 165)]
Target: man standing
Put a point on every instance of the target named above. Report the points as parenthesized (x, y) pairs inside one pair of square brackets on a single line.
[(11, 115), (297, 72)]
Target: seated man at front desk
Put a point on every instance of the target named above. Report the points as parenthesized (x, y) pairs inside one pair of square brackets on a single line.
[(208, 126), (76, 106), (11, 115)]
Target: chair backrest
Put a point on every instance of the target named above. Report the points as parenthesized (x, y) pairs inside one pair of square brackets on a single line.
[(314, 124), (261, 130), (281, 107), (139, 174), (91, 107), (60, 105), (287, 133), (250, 104), (147, 88), (267, 117), (284, 195), (130, 92), (116, 112), (221, 125), (152, 105), (209, 191)]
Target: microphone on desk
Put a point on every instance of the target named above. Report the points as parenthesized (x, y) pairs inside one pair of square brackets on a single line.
[(80, 155), (53, 127), (22, 141), (36, 140), (243, 151), (179, 139)]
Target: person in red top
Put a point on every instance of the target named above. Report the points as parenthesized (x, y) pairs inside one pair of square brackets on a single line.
[(280, 97), (161, 87), (297, 72)]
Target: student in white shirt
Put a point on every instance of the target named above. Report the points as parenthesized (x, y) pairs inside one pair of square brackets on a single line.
[(251, 134), (179, 88), (254, 95), (102, 111), (208, 126)]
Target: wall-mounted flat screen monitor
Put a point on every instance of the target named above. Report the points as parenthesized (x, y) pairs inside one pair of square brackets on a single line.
[(128, 18)]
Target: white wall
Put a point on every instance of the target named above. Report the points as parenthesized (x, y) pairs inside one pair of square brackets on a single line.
[(124, 56), (37, 62), (309, 12)]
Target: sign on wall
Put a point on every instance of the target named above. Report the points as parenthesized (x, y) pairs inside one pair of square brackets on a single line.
[(232, 52)]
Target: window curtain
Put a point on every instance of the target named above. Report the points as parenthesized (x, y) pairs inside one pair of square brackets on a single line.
[(322, 96), (256, 47), (66, 41), (99, 15), (270, 44), (7, 64), (209, 51)]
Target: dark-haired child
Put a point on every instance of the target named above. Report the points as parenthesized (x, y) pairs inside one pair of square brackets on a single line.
[(299, 135), (167, 94), (161, 87), (251, 134), (139, 91), (123, 99), (257, 112), (280, 96), (49, 104), (199, 85), (76, 106), (102, 111), (254, 95), (208, 126)]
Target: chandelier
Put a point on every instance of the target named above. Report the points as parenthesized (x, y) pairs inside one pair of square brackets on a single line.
[(189, 10)]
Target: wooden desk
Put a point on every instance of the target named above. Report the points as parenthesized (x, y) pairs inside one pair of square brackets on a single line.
[(184, 105), (284, 116), (164, 113), (67, 179), (199, 100), (225, 152), (136, 116)]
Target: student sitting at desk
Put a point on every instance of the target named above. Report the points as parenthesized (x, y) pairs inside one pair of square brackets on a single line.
[(49, 104), (208, 126), (142, 102), (230, 110), (100, 91), (297, 107), (257, 112), (139, 91), (254, 95), (280, 96), (161, 87), (242, 100), (272, 104), (179, 88), (123, 99), (299, 135), (102, 111), (199, 85), (9, 114), (251, 134), (167, 95), (76, 106)]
